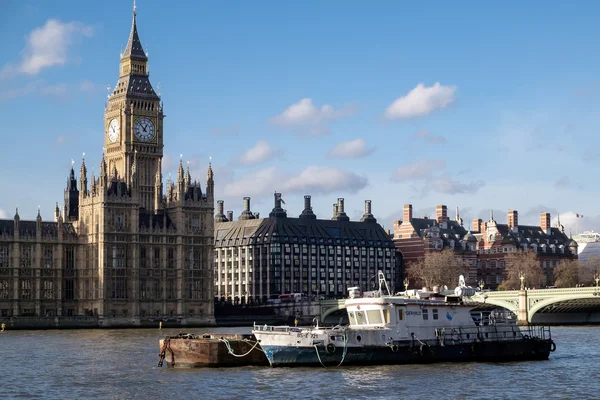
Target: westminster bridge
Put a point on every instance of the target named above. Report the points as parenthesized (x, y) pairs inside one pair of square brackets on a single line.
[(537, 306)]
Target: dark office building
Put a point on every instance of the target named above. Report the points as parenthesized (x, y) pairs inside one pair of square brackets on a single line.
[(256, 258)]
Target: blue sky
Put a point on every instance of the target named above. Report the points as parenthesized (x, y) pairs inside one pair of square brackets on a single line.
[(466, 104)]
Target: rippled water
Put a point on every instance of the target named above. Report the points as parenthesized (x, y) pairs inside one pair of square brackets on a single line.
[(121, 364)]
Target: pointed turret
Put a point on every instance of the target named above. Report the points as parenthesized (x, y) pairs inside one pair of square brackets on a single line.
[(188, 177), (56, 212), (82, 176), (71, 194), (134, 49), (38, 223), (17, 220), (158, 187), (103, 172), (210, 183), (134, 177)]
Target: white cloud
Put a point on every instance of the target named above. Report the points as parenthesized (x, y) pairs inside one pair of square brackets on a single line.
[(305, 117), (421, 101), (313, 179), (47, 46), (356, 148), (3, 214), (325, 179), (415, 171), (428, 137), (262, 151), (253, 184), (444, 184)]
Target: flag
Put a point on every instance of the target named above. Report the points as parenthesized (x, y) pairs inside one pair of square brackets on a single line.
[(579, 215), (279, 198)]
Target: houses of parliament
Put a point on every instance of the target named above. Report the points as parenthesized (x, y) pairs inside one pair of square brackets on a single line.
[(122, 250)]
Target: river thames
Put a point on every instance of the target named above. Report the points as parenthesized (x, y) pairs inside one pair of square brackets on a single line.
[(121, 364)]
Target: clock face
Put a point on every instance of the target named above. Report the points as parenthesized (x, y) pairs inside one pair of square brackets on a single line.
[(143, 129), (113, 130)]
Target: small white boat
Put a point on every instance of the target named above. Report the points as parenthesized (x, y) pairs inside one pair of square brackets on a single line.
[(410, 327)]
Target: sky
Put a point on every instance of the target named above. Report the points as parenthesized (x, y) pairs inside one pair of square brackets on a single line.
[(472, 105)]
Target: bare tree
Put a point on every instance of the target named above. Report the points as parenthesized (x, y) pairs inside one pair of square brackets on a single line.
[(568, 273), (589, 269), (525, 264), (437, 268)]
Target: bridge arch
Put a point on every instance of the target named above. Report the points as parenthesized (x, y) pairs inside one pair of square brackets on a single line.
[(329, 307), (543, 303), (509, 305)]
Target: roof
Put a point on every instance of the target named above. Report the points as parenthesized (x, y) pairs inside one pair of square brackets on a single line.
[(29, 228), (134, 45), (300, 230)]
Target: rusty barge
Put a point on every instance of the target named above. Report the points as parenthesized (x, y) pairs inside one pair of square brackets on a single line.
[(211, 350)]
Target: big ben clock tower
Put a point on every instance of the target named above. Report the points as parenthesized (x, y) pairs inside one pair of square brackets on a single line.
[(133, 123)]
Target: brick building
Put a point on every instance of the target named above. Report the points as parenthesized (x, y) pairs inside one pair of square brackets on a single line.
[(484, 248)]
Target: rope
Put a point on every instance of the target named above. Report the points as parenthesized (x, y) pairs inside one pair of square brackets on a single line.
[(239, 355), (166, 346), (343, 353)]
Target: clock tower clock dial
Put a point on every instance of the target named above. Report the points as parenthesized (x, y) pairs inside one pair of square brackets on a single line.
[(143, 129), (113, 130)]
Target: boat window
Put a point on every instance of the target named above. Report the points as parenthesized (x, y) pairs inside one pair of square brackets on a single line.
[(351, 318), (374, 316), (400, 314), (386, 316), (360, 318), (425, 314), (435, 313)]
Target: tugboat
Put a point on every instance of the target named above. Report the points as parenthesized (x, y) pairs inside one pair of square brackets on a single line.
[(409, 327)]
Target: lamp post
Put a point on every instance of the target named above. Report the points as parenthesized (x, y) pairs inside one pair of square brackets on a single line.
[(406, 282), (481, 284), (597, 279), (522, 278)]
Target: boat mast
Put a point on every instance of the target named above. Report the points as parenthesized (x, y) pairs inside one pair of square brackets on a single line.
[(382, 283)]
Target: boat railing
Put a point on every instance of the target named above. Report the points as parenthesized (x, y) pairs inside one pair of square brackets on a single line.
[(287, 328), (489, 333)]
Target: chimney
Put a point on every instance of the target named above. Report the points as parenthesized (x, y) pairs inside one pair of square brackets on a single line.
[(277, 211), (368, 217), (513, 220), (246, 214), (340, 206), (335, 211), (407, 213), (441, 214), (477, 225), (307, 213), (341, 215), (545, 222), (230, 215), (220, 217)]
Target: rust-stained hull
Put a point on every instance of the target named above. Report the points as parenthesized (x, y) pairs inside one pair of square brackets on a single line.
[(209, 350)]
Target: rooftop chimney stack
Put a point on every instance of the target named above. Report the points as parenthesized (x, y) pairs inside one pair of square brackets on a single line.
[(368, 217), (307, 213), (341, 215), (220, 217), (441, 214), (477, 222), (545, 222), (230, 215), (513, 220), (277, 211), (408, 213), (246, 214)]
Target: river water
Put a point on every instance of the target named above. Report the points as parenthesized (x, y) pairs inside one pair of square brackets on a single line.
[(121, 364)]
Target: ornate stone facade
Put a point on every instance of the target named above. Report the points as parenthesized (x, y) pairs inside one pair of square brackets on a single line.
[(121, 251)]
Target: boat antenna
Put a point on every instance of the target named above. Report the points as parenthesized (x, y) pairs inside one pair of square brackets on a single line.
[(382, 283)]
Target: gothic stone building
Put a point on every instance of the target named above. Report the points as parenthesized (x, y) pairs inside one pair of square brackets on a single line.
[(256, 258), (122, 249), (483, 249)]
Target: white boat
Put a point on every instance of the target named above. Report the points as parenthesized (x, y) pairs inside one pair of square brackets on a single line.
[(410, 327)]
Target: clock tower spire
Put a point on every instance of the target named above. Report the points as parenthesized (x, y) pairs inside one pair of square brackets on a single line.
[(134, 121)]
